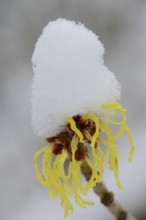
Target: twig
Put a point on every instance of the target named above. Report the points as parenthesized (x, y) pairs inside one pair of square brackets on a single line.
[(106, 197)]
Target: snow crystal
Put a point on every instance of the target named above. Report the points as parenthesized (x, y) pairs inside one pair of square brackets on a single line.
[(69, 76)]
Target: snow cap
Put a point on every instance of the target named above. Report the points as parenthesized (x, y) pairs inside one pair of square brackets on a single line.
[(69, 76)]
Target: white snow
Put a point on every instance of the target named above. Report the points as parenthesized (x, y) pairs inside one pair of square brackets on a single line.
[(69, 76)]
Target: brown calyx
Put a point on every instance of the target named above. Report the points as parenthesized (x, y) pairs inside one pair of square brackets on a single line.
[(63, 141), (81, 153), (59, 143), (87, 125)]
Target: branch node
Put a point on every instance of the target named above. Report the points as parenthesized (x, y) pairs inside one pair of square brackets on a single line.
[(122, 215), (107, 199)]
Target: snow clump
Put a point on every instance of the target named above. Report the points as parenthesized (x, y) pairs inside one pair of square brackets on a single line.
[(70, 77)]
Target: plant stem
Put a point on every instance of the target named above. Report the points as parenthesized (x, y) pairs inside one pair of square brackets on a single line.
[(106, 197)]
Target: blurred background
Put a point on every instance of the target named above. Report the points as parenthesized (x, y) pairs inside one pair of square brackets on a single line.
[(121, 26)]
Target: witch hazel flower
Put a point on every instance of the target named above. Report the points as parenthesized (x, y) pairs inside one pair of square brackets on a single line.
[(74, 107)]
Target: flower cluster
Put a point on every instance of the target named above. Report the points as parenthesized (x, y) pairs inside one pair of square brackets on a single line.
[(82, 141)]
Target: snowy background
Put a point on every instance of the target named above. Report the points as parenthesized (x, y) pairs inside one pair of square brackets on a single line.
[(121, 26)]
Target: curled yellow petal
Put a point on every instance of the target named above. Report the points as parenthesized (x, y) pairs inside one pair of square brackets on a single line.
[(75, 129), (102, 149), (96, 134)]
